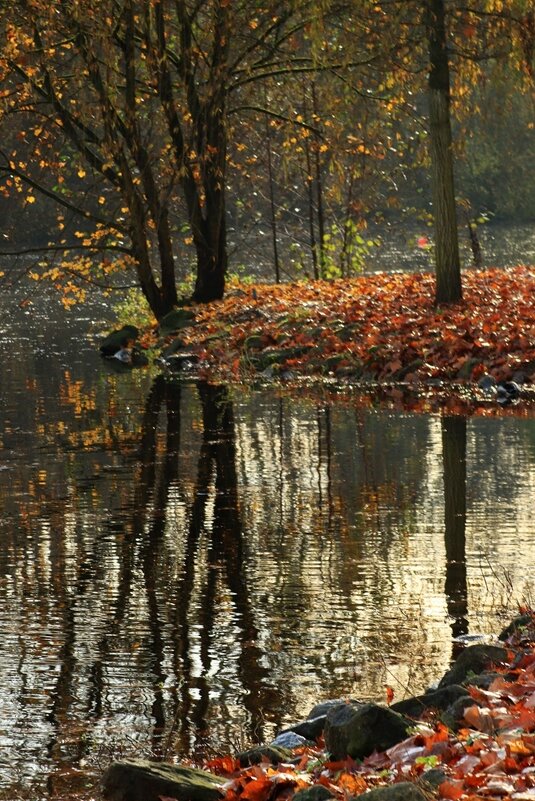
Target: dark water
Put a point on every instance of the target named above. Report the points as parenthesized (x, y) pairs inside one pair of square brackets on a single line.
[(185, 568)]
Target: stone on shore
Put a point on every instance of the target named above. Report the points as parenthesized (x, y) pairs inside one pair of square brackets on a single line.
[(517, 624), (434, 699), (472, 661), (402, 791), (143, 780), (116, 339), (264, 753), (356, 730), (317, 793)]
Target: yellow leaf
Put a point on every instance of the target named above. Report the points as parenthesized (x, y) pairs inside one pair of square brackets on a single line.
[(81, 173), (30, 199)]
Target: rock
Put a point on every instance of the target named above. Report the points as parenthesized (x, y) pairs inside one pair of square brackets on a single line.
[(431, 779), (310, 729), (402, 791), (116, 339), (143, 780), (473, 660), (321, 709), (453, 716), (175, 320), (177, 344), (517, 624), (317, 793), (435, 699), (262, 753), (356, 730), (290, 739), (485, 679), (313, 726)]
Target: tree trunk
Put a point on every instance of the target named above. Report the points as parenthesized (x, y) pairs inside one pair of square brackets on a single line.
[(447, 259), (211, 268)]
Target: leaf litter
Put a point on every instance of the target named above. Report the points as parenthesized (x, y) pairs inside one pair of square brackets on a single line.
[(379, 327)]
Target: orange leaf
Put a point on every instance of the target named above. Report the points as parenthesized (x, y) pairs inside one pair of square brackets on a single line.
[(452, 789), (224, 765), (355, 785), (257, 790)]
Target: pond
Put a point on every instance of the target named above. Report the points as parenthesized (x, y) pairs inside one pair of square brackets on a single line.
[(185, 568)]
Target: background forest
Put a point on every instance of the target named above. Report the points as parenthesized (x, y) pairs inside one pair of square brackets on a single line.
[(276, 140)]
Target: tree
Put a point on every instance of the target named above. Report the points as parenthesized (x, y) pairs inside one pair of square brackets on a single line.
[(447, 258), (131, 100)]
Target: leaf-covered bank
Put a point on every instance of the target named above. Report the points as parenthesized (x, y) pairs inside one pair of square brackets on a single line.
[(472, 738), (382, 327)]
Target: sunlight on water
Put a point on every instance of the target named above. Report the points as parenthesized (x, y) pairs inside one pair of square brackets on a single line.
[(186, 569)]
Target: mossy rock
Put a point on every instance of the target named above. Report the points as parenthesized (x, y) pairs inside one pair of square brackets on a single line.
[(175, 320), (116, 339), (271, 357), (264, 753), (144, 780), (317, 793), (174, 346), (254, 342), (402, 791)]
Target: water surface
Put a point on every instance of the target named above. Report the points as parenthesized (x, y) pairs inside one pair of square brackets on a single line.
[(186, 568)]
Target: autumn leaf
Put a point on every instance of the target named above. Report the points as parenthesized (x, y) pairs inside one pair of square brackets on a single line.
[(257, 790), (451, 789), (223, 766)]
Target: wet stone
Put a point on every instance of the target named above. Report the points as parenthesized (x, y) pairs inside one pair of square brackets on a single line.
[(143, 780), (472, 661), (403, 791), (356, 730), (264, 753)]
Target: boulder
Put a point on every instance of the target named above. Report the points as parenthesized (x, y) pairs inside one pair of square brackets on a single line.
[(472, 661), (402, 791), (356, 730), (309, 729), (434, 699), (116, 339), (175, 320), (144, 780)]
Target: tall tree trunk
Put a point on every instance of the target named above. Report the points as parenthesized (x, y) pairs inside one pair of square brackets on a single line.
[(271, 184), (447, 259)]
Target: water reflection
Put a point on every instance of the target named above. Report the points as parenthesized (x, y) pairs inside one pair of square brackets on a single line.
[(454, 457), (186, 568)]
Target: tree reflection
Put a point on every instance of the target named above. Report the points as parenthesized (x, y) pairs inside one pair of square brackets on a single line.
[(217, 478), (212, 559), (454, 465)]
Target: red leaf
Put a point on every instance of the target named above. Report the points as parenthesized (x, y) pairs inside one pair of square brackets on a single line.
[(452, 789)]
